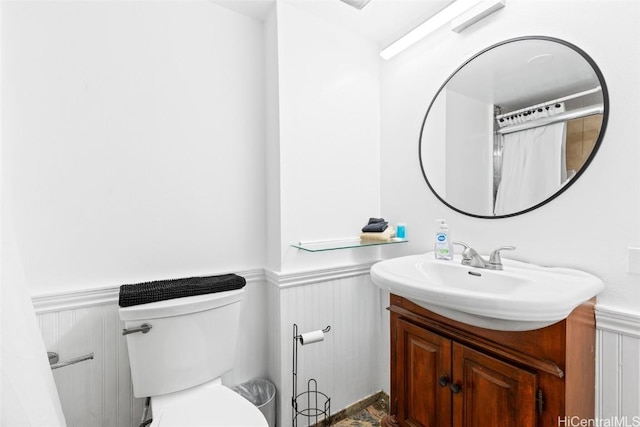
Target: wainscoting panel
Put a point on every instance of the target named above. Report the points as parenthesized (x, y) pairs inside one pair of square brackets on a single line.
[(347, 365), (350, 364), (98, 392), (95, 392), (618, 365)]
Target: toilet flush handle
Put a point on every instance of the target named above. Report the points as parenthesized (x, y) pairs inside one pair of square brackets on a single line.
[(144, 328)]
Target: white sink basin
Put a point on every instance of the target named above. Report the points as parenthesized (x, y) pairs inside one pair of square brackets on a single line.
[(521, 297)]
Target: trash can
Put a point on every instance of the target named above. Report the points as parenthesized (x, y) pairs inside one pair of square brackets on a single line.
[(261, 393)]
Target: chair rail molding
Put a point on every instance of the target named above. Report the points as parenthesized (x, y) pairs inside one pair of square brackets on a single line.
[(300, 278), (70, 300), (617, 367), (619, 321)]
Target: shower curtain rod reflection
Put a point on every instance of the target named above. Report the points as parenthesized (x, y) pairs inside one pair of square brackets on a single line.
[(562, 117), (555, 101)]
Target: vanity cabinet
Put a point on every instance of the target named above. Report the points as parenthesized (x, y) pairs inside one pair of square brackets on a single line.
[(444, 383), (449, 374)]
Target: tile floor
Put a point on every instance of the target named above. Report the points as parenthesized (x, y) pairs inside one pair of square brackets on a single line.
[(367, 417)]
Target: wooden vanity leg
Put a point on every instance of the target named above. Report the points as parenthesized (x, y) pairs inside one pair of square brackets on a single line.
[(389, 421)]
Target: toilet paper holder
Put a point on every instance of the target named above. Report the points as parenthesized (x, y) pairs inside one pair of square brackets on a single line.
[(310, 337), (314, 408)]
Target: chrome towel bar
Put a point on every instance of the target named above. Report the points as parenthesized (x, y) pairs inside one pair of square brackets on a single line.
[(55, 364)]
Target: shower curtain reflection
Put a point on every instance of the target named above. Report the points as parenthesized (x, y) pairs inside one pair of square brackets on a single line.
[(533, 163)]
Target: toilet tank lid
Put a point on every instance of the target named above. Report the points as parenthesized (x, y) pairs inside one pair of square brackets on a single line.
[(180, 306)]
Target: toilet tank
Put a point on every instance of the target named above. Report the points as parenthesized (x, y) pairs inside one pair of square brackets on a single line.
[(192, 340)]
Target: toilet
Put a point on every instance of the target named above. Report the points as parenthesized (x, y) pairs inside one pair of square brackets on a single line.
[(180, 360)]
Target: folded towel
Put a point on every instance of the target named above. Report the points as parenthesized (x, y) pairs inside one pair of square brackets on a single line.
[(384, 236), (143, 293), (375, 227)]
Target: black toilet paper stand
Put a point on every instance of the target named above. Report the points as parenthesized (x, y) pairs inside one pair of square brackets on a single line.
[(311, 403)]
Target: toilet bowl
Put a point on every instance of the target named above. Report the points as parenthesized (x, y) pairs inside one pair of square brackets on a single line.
[(211, 404), (178, 362)]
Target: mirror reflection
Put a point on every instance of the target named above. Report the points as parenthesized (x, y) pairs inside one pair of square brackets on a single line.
[(513, 127)]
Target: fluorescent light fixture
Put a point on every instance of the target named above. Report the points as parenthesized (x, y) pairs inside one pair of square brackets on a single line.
[(475, 14), (427, 27), (458, 8)]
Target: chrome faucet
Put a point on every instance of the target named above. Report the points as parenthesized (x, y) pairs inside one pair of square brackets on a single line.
[(472, 258)]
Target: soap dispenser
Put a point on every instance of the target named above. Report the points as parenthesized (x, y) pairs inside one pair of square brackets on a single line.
[(443, 246)]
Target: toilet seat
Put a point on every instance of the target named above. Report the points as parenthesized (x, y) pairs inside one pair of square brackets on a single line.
[(209, 405)]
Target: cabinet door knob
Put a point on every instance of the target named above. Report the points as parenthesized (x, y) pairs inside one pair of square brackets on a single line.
[(456, 388), (444, 380)]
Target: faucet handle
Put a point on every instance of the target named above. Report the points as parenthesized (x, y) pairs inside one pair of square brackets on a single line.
[(462, 244), (468, 253), (495, 255)]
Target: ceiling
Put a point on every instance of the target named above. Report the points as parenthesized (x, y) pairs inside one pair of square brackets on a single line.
[(258, 9), (381, 20), (512, 84)]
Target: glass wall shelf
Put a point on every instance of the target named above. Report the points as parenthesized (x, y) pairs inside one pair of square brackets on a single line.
[(332, 245)]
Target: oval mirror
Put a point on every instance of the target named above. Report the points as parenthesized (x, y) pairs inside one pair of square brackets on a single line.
[(513, 127)]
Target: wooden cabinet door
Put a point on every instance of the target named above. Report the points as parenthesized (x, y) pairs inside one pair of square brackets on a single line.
[(493, 393), (423, 362)]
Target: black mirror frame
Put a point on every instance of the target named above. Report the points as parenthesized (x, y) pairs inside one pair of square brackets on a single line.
[(605, 119)]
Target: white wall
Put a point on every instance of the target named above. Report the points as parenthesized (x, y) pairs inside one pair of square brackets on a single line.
[(591, 225), (149, 162), (323, 183), (272, 141), (329, 137), (133, 150), (134, 140), (588, 227)]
